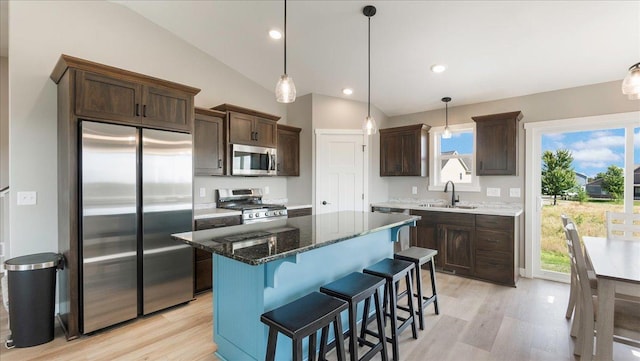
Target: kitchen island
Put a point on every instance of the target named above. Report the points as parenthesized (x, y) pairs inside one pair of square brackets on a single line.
[(258, 267)]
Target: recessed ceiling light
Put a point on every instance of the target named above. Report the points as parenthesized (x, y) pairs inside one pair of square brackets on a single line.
[(347, 91), (275, 34), (438, 68)]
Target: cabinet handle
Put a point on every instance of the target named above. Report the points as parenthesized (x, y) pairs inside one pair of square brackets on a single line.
[(480, 164), (492, 240), (137, 110), (219, 163), (256, 136), (493, 264), (144, 110), (279, 167)]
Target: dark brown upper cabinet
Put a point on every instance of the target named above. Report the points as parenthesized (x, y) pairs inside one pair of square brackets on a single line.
[(208, 142), (288, 151), (497, 143), (113, 97), (250, 127), (404, 151)]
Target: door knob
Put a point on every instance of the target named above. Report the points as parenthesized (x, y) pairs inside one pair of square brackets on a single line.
[(324, 203)]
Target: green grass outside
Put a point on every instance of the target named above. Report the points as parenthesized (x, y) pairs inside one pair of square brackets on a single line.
[(590, 219)]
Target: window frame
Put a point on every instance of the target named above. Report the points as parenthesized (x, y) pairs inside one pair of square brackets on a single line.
[(435, 134)]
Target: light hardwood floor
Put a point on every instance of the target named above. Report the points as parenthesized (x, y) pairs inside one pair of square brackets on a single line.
[(478, 321)]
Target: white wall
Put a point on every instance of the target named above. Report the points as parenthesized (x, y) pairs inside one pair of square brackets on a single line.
[(4, 122), (299, 189), (104, 32), (4, 155), (596, 99)]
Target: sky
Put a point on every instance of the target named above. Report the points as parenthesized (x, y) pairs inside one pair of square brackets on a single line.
[(593, 151)]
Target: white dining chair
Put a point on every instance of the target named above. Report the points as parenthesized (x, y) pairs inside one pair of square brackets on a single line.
[(573, 289), (626, 313), (622, 225)]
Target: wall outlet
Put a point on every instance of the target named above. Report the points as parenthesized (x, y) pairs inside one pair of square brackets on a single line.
[(27, 198), (203, 192), (414, 190), (266, 190), (493, 192), (514, 192)]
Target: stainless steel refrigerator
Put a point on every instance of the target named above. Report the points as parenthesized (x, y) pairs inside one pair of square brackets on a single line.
[(136, 190)]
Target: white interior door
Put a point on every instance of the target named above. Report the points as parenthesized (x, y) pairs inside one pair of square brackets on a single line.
[(341, 160)]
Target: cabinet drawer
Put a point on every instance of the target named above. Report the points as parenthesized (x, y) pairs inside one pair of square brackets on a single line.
[(450, 218), (494, 240), (201, 255), (299, 212), (217, 222), (497, 269), (495, 222)]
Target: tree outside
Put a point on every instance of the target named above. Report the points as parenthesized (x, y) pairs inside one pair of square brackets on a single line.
[(613, 181), (558, 176)]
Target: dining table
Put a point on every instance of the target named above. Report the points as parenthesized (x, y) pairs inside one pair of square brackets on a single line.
[(616, 263)]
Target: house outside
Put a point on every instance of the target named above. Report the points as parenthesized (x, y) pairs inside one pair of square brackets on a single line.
[(455, 169), (594, 189)]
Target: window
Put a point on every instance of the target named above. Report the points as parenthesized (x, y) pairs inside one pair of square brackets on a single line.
[(453, 159)]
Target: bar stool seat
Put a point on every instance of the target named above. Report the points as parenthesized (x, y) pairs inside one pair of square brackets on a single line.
[(354, 288), (420, 256), (303, 318), (393, 270)]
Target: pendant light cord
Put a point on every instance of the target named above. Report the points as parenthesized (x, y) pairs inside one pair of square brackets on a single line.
[(446, 114), (285, 37), (369, 70)]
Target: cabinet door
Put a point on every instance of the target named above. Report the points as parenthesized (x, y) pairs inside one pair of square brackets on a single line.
[(458, 246), (208, 145), (166, 108), (496, 146), (266, 134), (288, 152), (390, 154), (410, 158), (425, 235), (241, 128), (103, 97)]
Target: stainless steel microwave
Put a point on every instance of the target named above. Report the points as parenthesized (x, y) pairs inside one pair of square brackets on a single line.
[(252, 160)]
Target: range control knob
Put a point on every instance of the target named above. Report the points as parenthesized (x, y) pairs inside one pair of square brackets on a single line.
[(250, 215)]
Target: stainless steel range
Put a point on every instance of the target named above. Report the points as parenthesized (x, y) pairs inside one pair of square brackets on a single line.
[(249, 201)]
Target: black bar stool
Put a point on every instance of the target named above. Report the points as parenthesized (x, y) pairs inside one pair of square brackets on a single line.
[(393, 270), (354, 288), (305, 317), (420, 256)]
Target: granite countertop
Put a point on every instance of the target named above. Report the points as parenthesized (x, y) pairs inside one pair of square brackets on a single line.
[(260, 243), (489, 208)]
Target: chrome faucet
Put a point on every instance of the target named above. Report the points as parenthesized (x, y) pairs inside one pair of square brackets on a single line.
[(453, 192)]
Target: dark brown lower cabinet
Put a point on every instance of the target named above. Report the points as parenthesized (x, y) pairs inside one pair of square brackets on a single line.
[(478, 246), (202, 265)]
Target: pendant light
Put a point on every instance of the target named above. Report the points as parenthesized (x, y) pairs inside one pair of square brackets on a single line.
[(447, 133), (285, 89), (631, 83), (369, 125)]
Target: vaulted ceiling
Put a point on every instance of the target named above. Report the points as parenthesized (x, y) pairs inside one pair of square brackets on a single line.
[(492, 49)]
